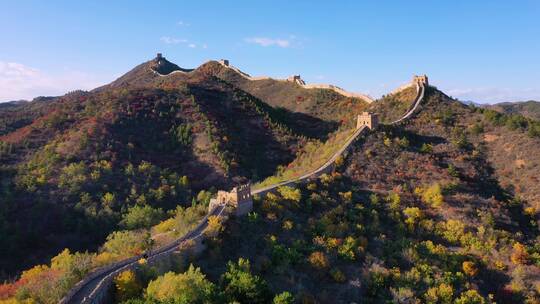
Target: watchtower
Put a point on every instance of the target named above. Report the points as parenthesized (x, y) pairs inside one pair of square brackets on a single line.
[(159, 56), (296, 79), (225, 62), (239, 198), (371, 120), (420, 80)]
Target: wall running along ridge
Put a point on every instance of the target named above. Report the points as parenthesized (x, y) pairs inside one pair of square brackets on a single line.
[(95, 288), (295, 79)]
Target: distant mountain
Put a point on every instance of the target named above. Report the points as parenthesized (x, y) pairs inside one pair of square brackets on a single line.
[(529, 108), (11, 104)]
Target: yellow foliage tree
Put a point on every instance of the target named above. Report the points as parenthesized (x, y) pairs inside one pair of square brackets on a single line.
[(319, 260), (127, 286), (413, 215), (440, 294), (469, 268), (191, 286), (519, 254), (431, 195), (290, 193), (214, 227)]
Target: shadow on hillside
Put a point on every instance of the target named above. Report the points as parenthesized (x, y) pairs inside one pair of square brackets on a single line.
[(256, 145), (307, 125)]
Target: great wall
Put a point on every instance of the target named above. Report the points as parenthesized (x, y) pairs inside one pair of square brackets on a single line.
[(296, 79), (95, 288)]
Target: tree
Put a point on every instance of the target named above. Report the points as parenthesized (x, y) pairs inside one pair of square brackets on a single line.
[(290, 193), (283, 298), (126, 243), (141, 217), (318, 260), (394, 200), (214, 227), (431, 195), (127, 285), (469, 268), (441, 294), (426, 148), (182, 134), (470, 297), (519, 254), (74, 266), (453, 230), (413, 215), (72, 177), (347, 250), (108, 199), (191, 286), (240, 285)]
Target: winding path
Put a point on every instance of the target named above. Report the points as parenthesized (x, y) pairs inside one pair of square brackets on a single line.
[(93, 289)]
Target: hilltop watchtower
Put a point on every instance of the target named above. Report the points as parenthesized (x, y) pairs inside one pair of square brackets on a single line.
[(159, 56), (296, 79), (225, 62), (420, 80), (371, 120)]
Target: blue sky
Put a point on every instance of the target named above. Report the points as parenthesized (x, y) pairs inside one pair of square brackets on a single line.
[(485, 51)]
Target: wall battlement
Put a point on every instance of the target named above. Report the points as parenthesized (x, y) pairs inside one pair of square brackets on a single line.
[(421, 80)]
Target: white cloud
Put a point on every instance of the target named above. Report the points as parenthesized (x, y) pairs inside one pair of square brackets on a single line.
[(265, 41), (18, 81), (494, 94), (182, 23), (171, 40)]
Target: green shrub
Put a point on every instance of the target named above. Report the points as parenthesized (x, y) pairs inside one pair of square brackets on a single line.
[(240, 285), (141, 217)]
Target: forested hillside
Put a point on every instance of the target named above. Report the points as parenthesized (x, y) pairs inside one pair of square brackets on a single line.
[(441, 208), (73, 165)]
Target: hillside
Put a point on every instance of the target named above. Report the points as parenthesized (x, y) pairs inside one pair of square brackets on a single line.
[(72, 165), (530, 109), (390, 107), (414, 214), (440, 208), (321, 103)]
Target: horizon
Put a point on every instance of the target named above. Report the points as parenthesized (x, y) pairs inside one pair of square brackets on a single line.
[(482, 52)]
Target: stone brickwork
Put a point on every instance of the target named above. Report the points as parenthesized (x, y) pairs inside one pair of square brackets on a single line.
[(420, 80), (239, 198), (370, 120)]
